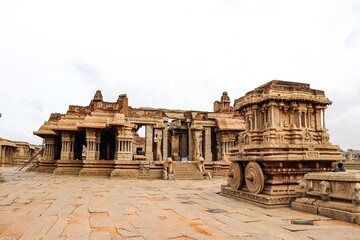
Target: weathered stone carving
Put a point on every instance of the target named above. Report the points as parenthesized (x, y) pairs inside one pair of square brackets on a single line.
[(201, 165), (158, 141), (302, 188), (168, 171), (356, 194), (325, 190)]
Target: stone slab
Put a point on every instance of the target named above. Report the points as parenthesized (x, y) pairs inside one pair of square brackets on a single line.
[(49, 206), (327, 212), (304, 207)]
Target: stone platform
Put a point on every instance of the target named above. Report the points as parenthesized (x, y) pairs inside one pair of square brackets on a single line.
[(262, 200), (335, 195)]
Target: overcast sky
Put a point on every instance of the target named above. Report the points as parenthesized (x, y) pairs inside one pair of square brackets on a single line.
[(174, 54)]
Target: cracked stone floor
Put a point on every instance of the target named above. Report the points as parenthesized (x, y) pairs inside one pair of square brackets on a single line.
[(47, 206)]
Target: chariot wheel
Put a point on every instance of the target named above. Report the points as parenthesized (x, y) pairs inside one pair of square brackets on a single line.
[(254, 177), (236, 175)]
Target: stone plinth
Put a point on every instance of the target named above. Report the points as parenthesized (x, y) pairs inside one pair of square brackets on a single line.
[(262, 200), (217, 168), (47, 166), (335, 195), (71, 167)]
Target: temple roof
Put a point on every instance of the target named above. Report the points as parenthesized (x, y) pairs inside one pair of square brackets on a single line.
[(4, 142), (95, 120), (277, 90), (45, 130), (230, 124), (67, 123)]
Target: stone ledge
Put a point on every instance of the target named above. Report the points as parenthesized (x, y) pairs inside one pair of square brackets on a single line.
[(327, 212)]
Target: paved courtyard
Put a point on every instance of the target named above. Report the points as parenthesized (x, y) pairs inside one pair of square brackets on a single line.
[(47, 206)]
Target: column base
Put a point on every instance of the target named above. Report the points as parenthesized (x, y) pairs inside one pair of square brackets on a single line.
[(46, 166), (68, 167)]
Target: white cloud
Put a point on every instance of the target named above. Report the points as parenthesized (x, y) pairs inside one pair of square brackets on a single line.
[(173, 54)]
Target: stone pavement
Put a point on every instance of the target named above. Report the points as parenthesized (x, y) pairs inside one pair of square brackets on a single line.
[(48, 206)]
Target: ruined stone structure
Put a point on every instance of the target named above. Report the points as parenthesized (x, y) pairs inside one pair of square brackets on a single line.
[(352, 159), (285, 137), (102, 139), (15, 152), (335, 195)]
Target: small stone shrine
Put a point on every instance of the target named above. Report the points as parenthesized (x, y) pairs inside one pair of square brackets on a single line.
[(16, 152), (285, 137)]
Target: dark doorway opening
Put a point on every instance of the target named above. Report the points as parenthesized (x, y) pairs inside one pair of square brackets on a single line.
[(80, 143), (57, 150), (107, 144)]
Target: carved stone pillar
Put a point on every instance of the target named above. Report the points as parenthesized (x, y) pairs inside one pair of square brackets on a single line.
[(92, 144), (255, 120), (165, 143), (190, 142), (149, 143), (323, 119), (197, 145), (310, 111), (67, 150), (318, 119), (272, 116), (250, 123), (208, 154), (49, 151), (219, 147), (175, 146), (124, 144)]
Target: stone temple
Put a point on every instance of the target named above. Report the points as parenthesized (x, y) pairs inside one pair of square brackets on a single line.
[(103, 139)]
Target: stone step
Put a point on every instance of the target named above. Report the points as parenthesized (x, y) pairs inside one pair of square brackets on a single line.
[(186, 171)]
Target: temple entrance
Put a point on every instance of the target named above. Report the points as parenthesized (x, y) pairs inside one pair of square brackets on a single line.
[(58, 146), (183, 146), (107, 144), (80, 143), (213, 145), (139, 138)]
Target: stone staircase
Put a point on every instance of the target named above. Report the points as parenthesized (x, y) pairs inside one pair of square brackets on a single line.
[(186, 171)]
